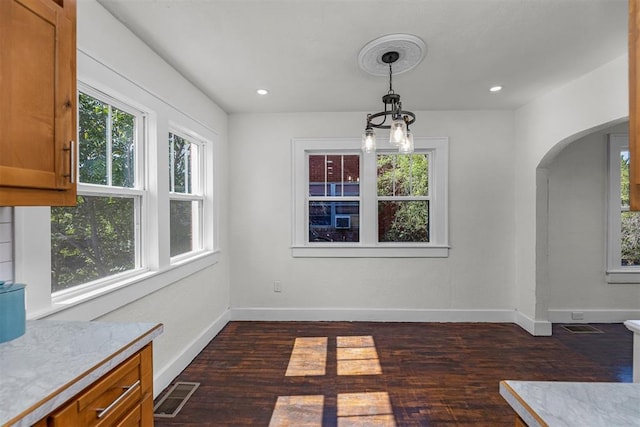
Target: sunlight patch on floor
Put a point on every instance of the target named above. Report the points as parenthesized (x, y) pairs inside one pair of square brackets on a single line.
[(302, 411), (308, 357), (365, 409), (355, 341), (357, 355)]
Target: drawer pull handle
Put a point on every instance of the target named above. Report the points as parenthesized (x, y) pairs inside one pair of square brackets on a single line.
[(127, 391), (72, 162)]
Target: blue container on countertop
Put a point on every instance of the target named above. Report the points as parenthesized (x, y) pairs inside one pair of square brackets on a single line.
[(13, 316)]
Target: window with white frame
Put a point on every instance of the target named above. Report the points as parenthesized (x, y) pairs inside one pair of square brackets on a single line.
[(334, 197), (403, 197), (385, 204), (185, 193), (101, 236), (114, 247), (623, 248)]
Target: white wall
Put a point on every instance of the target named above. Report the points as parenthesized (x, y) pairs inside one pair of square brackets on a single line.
[(542, 128), (478, 275), (577, 234), (195, 308)]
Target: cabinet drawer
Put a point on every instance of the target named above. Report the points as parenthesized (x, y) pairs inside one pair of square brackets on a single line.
[(132, 419), (113, 400), (112, 397)]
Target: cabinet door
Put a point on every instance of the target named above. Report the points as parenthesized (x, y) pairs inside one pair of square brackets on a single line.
[(38, 109)]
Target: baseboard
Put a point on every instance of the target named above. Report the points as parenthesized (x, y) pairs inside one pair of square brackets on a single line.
[(576, 315), (534, 327), (167, 373), (370, 315)]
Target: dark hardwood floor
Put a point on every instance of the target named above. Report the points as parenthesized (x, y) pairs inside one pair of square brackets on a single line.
[(434, 373)]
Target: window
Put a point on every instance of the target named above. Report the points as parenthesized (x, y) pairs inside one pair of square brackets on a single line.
[(115, 246), (185, 194), (624, 226), (369, 205), (334, 198), (403, 197), (101, 236)]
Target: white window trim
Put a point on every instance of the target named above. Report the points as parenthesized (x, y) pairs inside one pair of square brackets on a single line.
[(32, 244), (368, 247), (615, 272)]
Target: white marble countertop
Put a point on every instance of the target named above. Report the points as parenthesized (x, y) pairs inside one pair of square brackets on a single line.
[(551, 403), (55, 360)]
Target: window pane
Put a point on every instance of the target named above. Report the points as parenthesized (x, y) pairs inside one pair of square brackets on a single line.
[(334, 221), (122, 150), (316, 175), (334, 175), (403, 175), (181, 226), (351, 175), (334, 171), (91, 241), (624, 178), (93, 116), (403, 221), (630, 239), (180, 162)]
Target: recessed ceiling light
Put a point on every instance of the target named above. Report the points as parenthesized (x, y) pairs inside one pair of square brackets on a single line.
[(262, 91), (495, 88)]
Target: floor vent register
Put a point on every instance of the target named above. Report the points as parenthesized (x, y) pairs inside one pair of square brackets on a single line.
[(174, 400), (582, 329)]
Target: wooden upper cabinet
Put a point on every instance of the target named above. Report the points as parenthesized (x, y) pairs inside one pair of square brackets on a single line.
[(38, 102)]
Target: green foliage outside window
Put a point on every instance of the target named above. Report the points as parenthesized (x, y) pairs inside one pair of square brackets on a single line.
[(183, 154), (630, 221), (93, 240), (403, 220), (104, 130), (180, 227), (96, 239), (180, 152)]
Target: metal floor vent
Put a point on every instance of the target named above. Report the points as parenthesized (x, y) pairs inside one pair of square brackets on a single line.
[(582, 329), (174, 400)]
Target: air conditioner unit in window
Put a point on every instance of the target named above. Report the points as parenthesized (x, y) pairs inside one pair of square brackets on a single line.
[(343, 221)]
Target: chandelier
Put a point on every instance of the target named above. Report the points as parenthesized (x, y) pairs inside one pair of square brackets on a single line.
[(400, 135), (378, 57)]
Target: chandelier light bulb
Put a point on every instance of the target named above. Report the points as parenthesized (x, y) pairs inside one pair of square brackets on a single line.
[(398, 132), (407, 146), (368, 141)]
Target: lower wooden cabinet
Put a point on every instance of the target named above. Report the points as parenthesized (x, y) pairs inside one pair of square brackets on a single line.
[(123, 398)]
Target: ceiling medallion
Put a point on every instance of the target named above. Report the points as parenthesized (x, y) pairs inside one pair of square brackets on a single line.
[(411, 51)]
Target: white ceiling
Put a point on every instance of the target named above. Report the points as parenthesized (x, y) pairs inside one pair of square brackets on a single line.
[(305, 51)]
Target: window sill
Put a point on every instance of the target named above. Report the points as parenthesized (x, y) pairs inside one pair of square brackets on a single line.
[(370, 252), (623, 276), (97, 302)]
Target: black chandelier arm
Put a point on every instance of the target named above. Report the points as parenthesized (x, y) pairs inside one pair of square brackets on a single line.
[(408, 116), (380, 125), (383, 114)]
